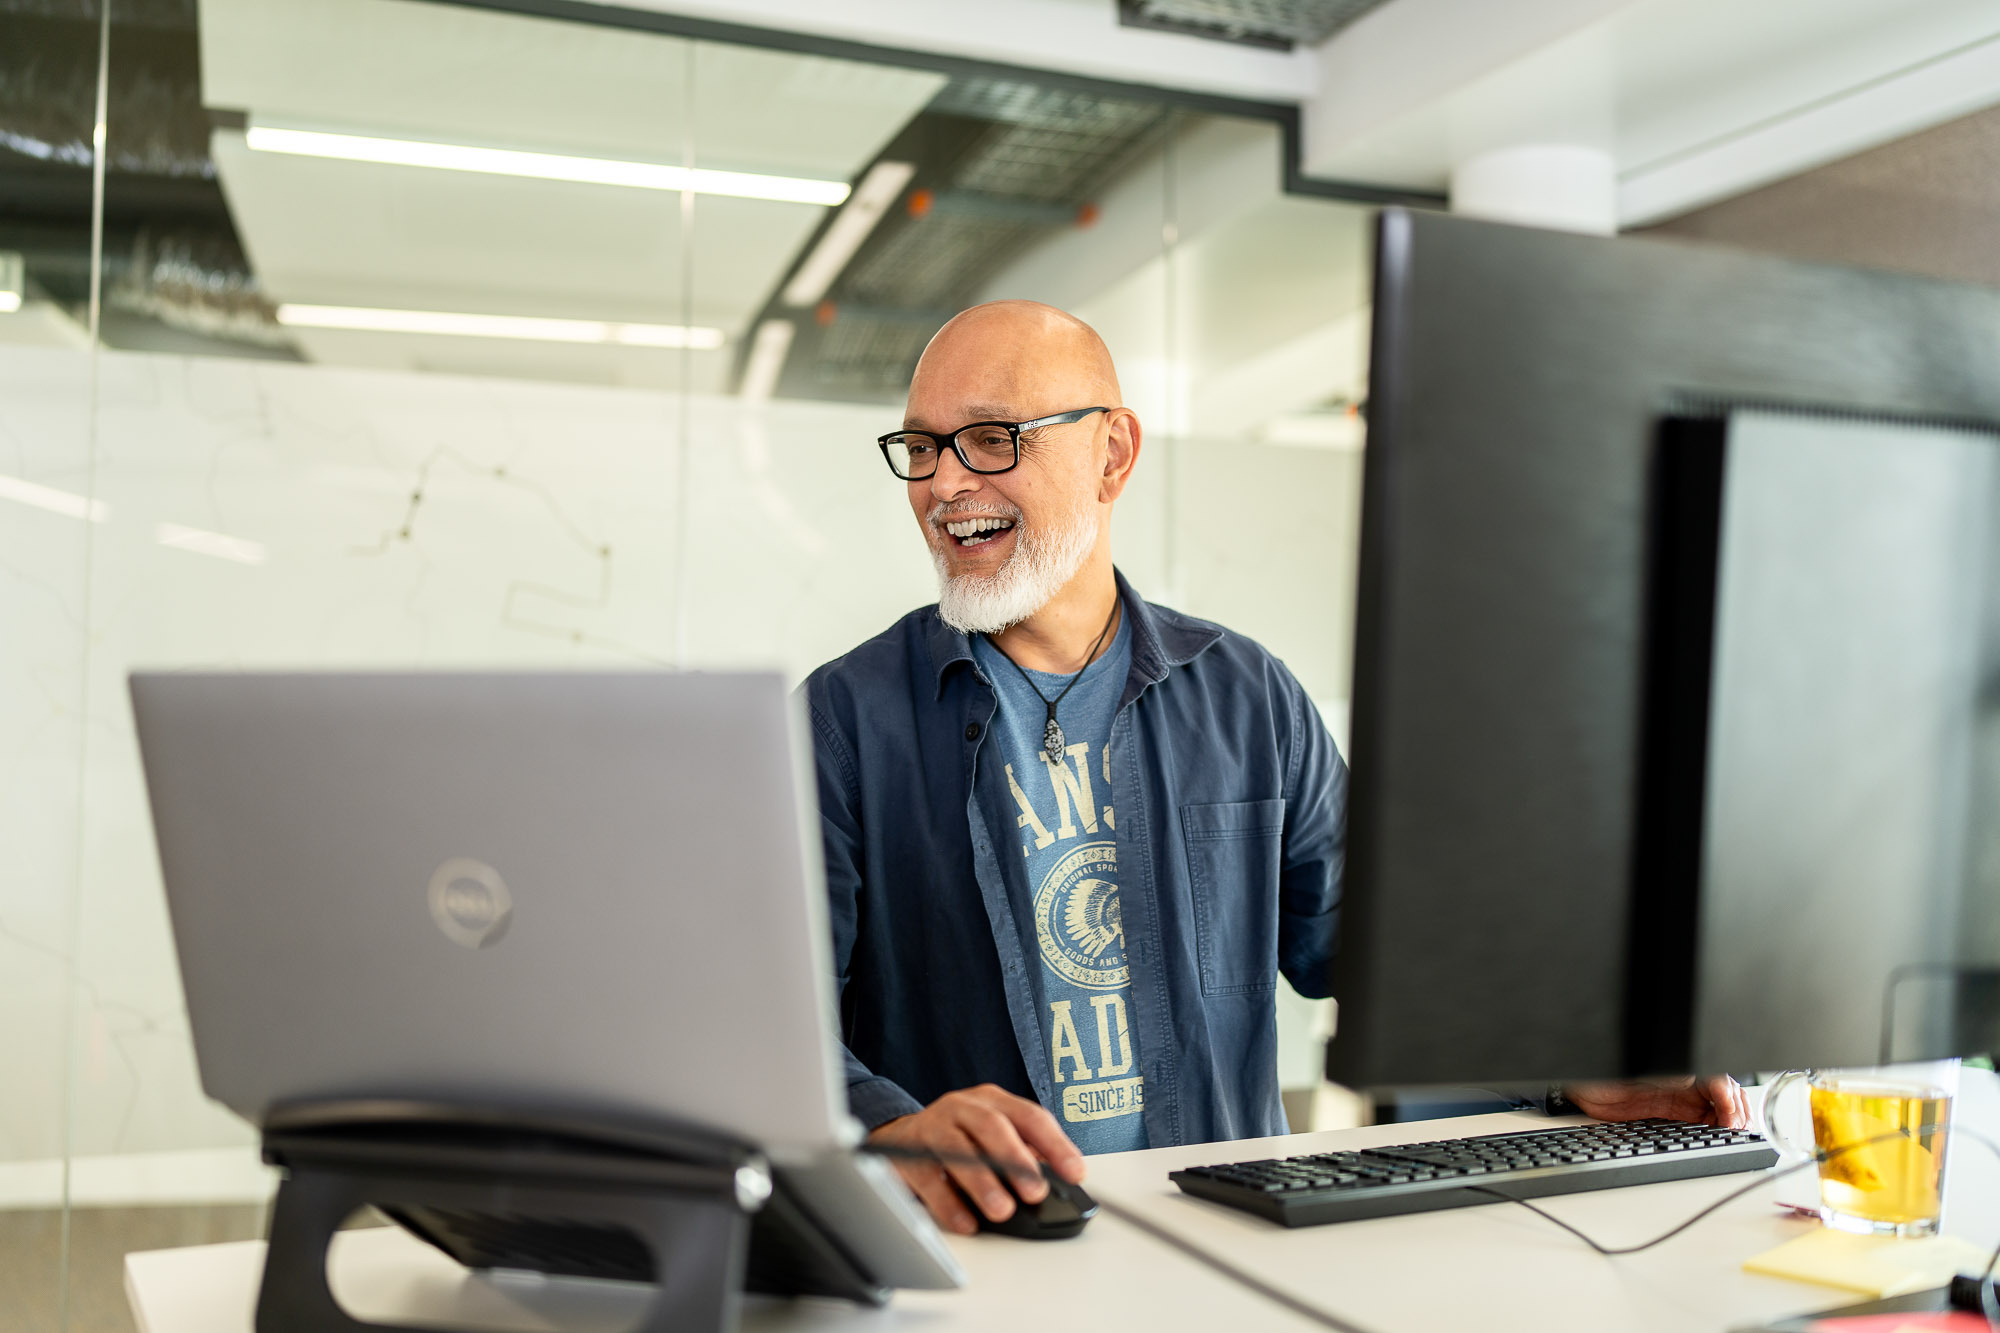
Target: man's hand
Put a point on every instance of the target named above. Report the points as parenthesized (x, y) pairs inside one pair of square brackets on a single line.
[(986, 1121), (1707, 1101)]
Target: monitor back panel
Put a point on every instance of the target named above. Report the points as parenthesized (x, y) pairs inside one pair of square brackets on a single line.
[(1519, 383), (1851, 726), (592, 892)]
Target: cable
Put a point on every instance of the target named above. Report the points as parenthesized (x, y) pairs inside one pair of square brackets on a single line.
[(1324, 1318), (1989, 1304), (1989, 1301), (1762, 1179), (1242, 1277)]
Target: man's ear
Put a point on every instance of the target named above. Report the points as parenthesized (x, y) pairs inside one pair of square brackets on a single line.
[(1121, 453)]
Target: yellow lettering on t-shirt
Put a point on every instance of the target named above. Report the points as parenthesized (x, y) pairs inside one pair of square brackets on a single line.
[(1063, 1042), (1027, 817), (1111, 1025), (1073, 784)]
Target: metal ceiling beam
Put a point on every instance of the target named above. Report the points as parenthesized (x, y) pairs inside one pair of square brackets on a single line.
[(1285, 115)]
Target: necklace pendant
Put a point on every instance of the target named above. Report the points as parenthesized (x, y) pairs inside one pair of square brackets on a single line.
[(1052, 740)]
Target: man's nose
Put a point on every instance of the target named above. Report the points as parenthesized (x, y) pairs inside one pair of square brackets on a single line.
[(952, 478)]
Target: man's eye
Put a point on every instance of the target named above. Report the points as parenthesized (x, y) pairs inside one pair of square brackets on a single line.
[(919, 448)]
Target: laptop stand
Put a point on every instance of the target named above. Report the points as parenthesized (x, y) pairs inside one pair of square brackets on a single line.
[(686, 1197)]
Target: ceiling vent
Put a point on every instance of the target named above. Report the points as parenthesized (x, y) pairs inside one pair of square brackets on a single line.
[(1277, 24), (999, 165)]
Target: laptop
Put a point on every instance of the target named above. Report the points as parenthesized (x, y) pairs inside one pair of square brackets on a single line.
[(593, 896)]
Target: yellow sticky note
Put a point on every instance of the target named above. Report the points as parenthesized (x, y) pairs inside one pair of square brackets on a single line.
[(1875, 1266)]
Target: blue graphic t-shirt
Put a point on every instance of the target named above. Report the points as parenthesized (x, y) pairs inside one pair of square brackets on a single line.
[(1066, 821)]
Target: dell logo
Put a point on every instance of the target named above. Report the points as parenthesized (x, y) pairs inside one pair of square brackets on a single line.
[(470, 903)]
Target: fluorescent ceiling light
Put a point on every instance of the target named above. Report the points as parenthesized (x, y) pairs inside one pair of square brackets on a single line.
[(543, 166), (13, 281), (67, 503), (878, 190), (219, 545), (767, 358), (369, 320)]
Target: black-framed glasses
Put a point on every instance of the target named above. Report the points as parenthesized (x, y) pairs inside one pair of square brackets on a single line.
[(985, 447)]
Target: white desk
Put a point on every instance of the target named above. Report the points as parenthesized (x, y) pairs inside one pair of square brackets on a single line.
[(1492, 1268)]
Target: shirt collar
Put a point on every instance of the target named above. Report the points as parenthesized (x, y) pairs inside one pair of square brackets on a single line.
[(1161, 640)]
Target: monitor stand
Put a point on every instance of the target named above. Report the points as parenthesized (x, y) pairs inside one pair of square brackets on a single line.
[(685, 1196)]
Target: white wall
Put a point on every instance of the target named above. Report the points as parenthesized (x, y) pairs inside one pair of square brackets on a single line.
[(545, 535), (44, 442)]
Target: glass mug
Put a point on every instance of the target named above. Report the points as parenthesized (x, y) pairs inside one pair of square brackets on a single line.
[(1880, 1136)]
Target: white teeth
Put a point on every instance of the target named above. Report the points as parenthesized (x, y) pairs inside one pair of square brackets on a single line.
[(971, 526)]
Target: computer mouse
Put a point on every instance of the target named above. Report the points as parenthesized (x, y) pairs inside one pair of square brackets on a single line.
[(1060, 1215)]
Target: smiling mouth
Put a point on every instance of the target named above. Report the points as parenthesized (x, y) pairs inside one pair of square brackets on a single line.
[(971, 532)]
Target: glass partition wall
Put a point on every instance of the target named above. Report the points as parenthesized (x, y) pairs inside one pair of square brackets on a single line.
[(46, 534), (393, 333)]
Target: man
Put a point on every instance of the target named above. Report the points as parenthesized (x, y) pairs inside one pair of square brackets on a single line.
[(1071, 838)]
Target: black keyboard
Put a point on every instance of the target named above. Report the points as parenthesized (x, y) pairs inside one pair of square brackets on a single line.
[(1418, 1177)]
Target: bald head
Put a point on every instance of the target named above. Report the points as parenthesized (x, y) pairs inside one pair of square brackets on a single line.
[(1010, 360), (1034, 532)]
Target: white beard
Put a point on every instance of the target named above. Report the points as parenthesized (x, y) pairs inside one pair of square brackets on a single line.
[(1043, 563)]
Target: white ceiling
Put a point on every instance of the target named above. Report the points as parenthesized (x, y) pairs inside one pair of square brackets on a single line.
[(1694, 99), (357, 233), (474, 76), (346, 233), (1261, 311)]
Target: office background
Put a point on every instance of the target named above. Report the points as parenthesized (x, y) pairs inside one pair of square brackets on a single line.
[(212, 487), (196, 471)]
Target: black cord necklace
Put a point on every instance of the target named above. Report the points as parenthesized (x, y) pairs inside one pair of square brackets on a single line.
[(1052, 734)]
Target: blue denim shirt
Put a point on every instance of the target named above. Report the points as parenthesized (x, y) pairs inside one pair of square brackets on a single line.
[(1231, 830)]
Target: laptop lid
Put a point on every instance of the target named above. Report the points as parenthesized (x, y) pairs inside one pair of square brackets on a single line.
[(580, 892)]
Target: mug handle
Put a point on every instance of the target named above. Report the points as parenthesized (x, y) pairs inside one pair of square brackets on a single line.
[(1775, 1131)]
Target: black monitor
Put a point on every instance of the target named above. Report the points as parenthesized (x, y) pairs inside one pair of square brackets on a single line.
[(1677, 668)]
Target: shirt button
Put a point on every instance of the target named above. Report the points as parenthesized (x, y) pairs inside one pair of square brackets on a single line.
[(972, 731)]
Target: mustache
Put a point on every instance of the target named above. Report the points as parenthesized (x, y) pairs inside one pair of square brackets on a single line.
[(943, 512)]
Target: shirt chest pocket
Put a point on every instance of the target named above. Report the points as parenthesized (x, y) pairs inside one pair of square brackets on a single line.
[(1233, 852)]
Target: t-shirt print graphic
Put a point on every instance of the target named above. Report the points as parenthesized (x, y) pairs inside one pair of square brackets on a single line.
[(1078, 921), (1081, 930), (1063, 814)]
